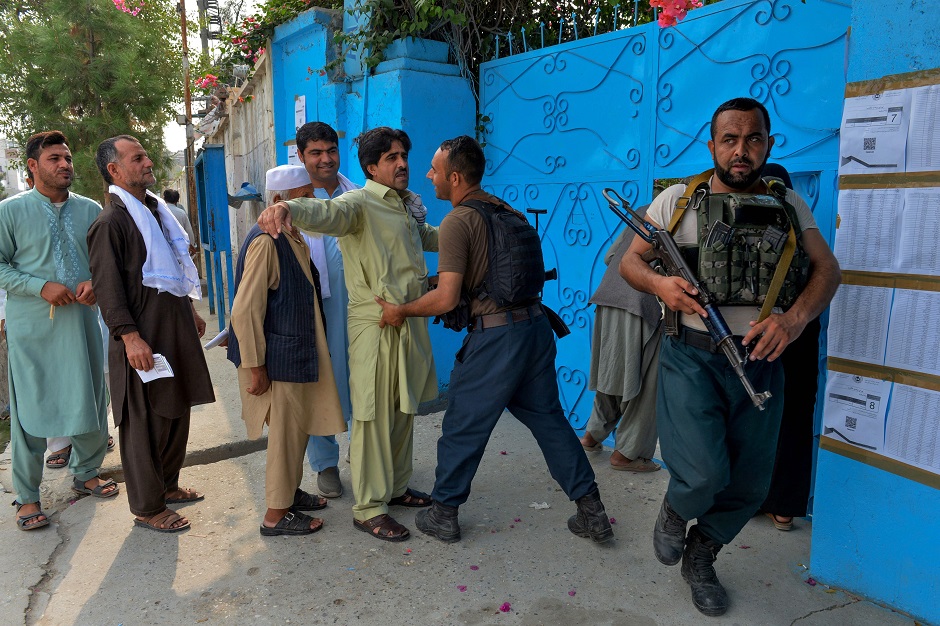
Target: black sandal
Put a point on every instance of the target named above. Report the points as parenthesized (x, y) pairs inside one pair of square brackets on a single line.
[(304, 501), (292, 523), (22, 521), (62, 455), (411, 498)]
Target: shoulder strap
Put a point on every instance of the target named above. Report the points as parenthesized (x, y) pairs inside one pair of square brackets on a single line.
[(481, 205), (789, 248), (683, 202)]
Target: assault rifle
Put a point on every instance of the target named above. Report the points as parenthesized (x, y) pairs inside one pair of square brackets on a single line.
[(666, 251)]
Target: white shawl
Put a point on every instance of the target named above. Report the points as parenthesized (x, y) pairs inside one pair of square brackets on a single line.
[(168, 266)]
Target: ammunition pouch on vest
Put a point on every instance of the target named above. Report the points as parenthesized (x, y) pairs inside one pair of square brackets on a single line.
[(741, 241)]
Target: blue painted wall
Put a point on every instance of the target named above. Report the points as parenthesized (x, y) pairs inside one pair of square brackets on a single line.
[(875, 533), (624, 108), (892, 38), (300, 49)]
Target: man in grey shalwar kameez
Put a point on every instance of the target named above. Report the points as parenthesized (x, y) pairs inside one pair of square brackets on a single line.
[(624, 363)]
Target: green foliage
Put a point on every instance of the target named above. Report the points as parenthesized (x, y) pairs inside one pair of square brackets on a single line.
[(476, 29), (92, 71)]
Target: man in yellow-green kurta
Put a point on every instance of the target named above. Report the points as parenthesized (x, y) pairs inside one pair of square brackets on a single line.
[(57, 386), (391, 369)]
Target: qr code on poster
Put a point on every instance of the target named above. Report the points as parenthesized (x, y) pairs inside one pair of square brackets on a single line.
[(850, 422), (869, 143)]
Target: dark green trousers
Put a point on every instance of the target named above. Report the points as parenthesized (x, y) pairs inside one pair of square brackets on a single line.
[(718, 447)]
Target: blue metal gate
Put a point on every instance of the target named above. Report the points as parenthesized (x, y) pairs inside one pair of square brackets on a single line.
[(216, 239), (629, 107)]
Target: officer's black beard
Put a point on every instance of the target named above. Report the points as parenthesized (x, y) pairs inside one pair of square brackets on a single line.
[(738, 181)]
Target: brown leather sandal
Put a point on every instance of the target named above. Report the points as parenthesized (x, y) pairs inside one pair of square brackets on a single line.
[(383, 527), (162, 522)]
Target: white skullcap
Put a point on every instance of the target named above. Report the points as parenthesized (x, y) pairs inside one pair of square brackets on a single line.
[(286, 177)]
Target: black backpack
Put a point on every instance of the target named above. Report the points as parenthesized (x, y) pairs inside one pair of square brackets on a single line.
[(516, 270)]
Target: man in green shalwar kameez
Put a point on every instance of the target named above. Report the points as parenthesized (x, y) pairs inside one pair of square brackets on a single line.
[(56, 371), (391, 370)]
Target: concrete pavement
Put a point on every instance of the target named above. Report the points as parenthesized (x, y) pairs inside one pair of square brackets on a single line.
[(92, 566)]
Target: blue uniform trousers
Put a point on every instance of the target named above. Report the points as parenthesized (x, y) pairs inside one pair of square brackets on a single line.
[(507, 367), (718, 447)]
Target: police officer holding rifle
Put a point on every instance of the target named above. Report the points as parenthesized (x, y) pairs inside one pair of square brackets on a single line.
[(756, 271)]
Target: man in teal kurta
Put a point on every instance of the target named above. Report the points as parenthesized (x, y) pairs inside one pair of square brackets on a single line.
[(391, 370), (56, 359)]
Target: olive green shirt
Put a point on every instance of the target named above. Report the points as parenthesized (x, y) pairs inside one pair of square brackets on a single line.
[(383, 252)]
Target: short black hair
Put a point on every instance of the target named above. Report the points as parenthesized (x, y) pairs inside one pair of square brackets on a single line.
[(465, 156), (741, 104), (171, 196), (315, 131), (40, 141), (376, 142), (107, 153)]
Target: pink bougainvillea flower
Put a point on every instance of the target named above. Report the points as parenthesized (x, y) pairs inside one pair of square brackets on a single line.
[(572, 592), (474, 567), (461, 588), (613, 520), (130, 10), (505, 607), (811, 582)]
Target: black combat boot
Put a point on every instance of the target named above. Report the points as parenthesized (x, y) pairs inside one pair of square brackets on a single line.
[(708, 595), (668, 535), (591, 519), (439, 521)]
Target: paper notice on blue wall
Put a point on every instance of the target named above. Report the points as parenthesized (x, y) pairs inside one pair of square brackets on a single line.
[(923, 144), (300, 112), (873, 138), (914, 332), (913, 435), (855, 410), (858, 323)]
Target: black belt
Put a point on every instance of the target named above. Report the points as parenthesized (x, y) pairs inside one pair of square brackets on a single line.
[(702, 340), (495, 320)]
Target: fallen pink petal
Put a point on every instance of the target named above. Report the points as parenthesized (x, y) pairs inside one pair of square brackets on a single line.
[(613, 520), (811, 582), (505, 607), (503, 452), (745, 547), (518, 519), (474, 567), (461, 588), (572, 592)]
